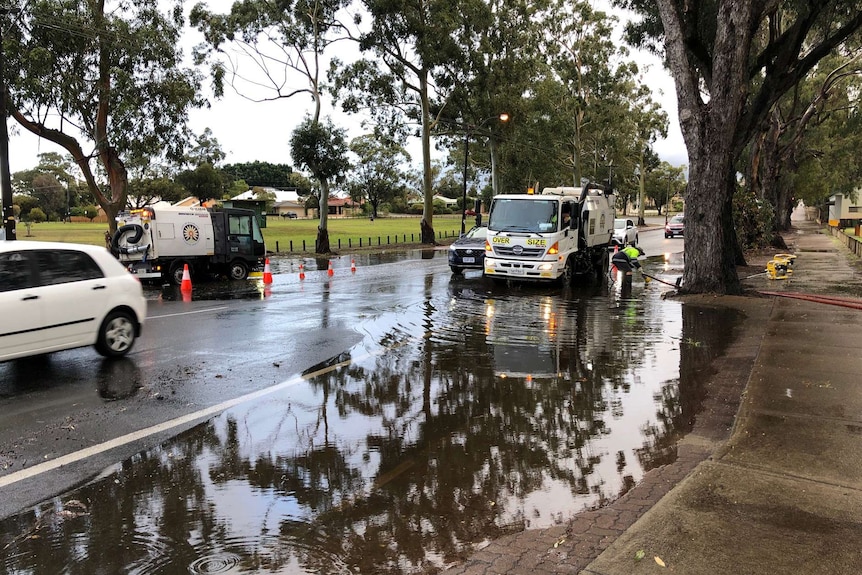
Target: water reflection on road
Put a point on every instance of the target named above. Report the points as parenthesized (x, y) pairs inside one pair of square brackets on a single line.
[(475, 412)]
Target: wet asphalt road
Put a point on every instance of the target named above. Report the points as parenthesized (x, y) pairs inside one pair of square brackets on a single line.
[(499, 408)]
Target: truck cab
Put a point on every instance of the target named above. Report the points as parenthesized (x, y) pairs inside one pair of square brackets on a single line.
[(552, 236)]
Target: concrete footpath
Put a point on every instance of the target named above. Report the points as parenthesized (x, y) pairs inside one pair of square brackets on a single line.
[(770, 479)]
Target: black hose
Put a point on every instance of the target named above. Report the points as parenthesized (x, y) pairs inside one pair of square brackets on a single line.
[(121, 231)]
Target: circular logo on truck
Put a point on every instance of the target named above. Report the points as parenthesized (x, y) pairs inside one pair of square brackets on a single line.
[(191, 234)]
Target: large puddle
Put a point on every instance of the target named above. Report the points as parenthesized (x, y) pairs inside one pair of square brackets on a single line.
[(473, 413)]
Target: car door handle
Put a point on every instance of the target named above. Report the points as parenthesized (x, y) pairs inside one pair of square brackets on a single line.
[(29, 297), (99, 287)]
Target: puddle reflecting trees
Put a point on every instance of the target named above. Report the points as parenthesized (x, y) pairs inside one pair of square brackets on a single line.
[(482, 412)]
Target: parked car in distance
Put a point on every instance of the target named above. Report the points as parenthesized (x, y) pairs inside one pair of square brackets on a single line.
[(289, 215), (56, 296), (625, 232), (675, 226), (468, 251)]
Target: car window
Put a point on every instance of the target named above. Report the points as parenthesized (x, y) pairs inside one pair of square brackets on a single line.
[(15, 271), (64, 266)]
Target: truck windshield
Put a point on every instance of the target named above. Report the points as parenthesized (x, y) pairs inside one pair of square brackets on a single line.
[(527, 215)]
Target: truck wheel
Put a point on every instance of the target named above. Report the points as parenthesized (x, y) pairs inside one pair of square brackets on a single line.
[(238, 270), (116, 334), (176, 273), (568, 276), (600, 268)]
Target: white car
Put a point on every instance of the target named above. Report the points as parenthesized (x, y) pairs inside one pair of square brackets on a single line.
[(56, 296), (625, 232)]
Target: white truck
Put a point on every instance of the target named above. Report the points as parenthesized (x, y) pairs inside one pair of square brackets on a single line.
[(155, 243), (553, 236)]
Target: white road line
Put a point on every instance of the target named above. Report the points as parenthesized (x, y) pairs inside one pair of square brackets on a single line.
[(167, 425), (149, 317)]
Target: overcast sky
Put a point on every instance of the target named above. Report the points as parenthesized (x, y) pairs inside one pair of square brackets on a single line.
[(249, 131)]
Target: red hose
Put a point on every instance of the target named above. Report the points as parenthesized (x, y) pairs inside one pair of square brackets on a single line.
[(828, 299)]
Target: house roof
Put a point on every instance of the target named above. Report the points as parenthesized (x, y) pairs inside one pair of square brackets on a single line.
[(280, 195)]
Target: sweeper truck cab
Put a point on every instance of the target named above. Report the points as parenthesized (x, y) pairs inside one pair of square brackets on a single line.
[(558, 235), (156, 243)]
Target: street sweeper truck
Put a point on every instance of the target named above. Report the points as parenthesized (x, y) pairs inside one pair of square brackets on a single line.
[(156, 243), (559, 235)]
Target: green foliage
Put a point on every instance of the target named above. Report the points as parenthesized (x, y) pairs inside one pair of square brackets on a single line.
[(752, 219), (663, 183), (91, 212), (36, 215), (206, 150), (105, 80), (377, 177), (321, 148), (150, 190), (204, 182), (262, 174)]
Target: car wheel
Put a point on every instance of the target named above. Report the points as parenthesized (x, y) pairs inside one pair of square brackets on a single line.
[(116, 334), (668, 236), (238, 270), (456, 270)]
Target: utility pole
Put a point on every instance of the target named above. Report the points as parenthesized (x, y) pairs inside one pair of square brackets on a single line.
[(5, 177)]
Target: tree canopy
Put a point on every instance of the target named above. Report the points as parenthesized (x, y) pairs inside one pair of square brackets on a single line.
[(101, 82), (732, 61)]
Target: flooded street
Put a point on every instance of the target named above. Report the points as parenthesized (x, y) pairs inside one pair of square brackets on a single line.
[(466, 412)]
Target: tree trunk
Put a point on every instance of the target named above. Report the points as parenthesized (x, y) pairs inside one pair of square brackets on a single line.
[(713, 137), (427, 224), (710, 238), (321, 244), (427, 233)]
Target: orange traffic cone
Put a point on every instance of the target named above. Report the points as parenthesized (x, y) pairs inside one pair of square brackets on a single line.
[(301, 272), (613, 267), (329, 272), (352, 265), (186, 285), (267, 273)]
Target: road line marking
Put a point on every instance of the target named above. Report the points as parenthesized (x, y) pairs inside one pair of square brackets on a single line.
[(76, 456), (187, 312)]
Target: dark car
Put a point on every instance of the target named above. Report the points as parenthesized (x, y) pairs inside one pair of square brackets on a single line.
[(468, 251), (675, 226), (290, 215)]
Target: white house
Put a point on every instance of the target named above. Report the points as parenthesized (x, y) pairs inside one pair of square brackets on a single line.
[(843, 208), (286, 201)]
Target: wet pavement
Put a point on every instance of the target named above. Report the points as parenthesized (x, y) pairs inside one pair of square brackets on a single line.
[(468, 414), (483, 430)]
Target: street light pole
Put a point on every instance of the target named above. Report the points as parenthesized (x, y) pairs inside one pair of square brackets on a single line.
[(504, 117)]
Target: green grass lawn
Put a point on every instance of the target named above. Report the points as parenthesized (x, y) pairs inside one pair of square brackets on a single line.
[(281, 232)]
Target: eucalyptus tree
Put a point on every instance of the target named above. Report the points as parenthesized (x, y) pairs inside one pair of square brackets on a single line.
[(377, 177), (662, 183), (103, 80), (321, 148), (731, 61), (812, 122), (485, 88), (259, 49), (587, 115), (404, 44)]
